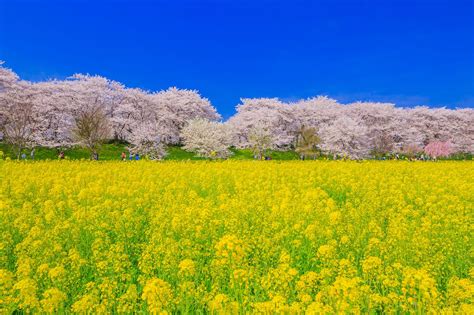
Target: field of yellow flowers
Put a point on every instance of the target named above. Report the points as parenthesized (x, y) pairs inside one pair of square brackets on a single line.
[(236, 237)]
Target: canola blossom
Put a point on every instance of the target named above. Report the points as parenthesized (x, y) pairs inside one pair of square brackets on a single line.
[(236, 237)]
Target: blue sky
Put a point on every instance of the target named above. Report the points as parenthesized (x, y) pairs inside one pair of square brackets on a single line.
[(407, 52)]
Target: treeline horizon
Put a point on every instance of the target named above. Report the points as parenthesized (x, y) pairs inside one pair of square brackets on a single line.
[(85, 110)]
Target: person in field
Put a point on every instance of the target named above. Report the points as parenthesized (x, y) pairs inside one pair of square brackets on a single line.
[(123, 156)]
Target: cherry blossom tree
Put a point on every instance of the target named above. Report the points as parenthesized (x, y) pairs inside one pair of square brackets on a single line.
[(206, 138), (381, 143), (65, 103), (48, 113), (135, 115), (381, 127), (146, 140), (133, 111), (462, 130), (174, 108), (345, 136), (437, 149), (56, 124), (421, 125), (7, 77), (380, 122), (315, 112), (19, 113), (19, 116), (260, 140), (274, 115), (163, 113)]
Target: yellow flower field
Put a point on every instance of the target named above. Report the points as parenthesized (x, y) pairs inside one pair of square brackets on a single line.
[(236, 237)]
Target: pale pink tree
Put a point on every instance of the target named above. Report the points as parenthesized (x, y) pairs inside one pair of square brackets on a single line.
[(271, 113), (346, 137), (457, 126), (206, 138), (162, 114), (133, 110), (7, 77), (174, 108), (57, 121), (19, 113), (462, 130), (260, 140), (316, 111), (422, 125), (19, 116), (380, 122), (148, 139), (46, 114), (438, 149), (77, 111)]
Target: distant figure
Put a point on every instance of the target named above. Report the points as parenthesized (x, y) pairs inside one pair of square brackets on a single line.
[(137, 156), (96, 156), (32, 154), (123, 156), (130, 156), (61, 155), (397, 157), (23, 156)]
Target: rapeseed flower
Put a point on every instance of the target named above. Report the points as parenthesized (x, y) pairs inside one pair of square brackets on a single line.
[(236, 237)]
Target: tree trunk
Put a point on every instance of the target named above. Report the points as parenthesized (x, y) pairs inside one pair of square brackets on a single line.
[(19, 152)]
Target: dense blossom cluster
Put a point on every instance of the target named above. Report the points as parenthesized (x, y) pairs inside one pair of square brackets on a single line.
[(356, 129), (207, 138), (47, 114), (236, 237)]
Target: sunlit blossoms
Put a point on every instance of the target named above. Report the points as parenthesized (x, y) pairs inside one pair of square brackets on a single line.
[(88, 110), (439, 149), (207, 138)]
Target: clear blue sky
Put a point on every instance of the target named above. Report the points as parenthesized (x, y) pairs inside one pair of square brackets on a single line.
[(405, 51)]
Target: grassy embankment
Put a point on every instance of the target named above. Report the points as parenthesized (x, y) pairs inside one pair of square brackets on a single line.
[(112, 151)]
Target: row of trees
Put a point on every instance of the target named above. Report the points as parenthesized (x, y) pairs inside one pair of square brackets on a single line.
[(356, 130), (87, 110)]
